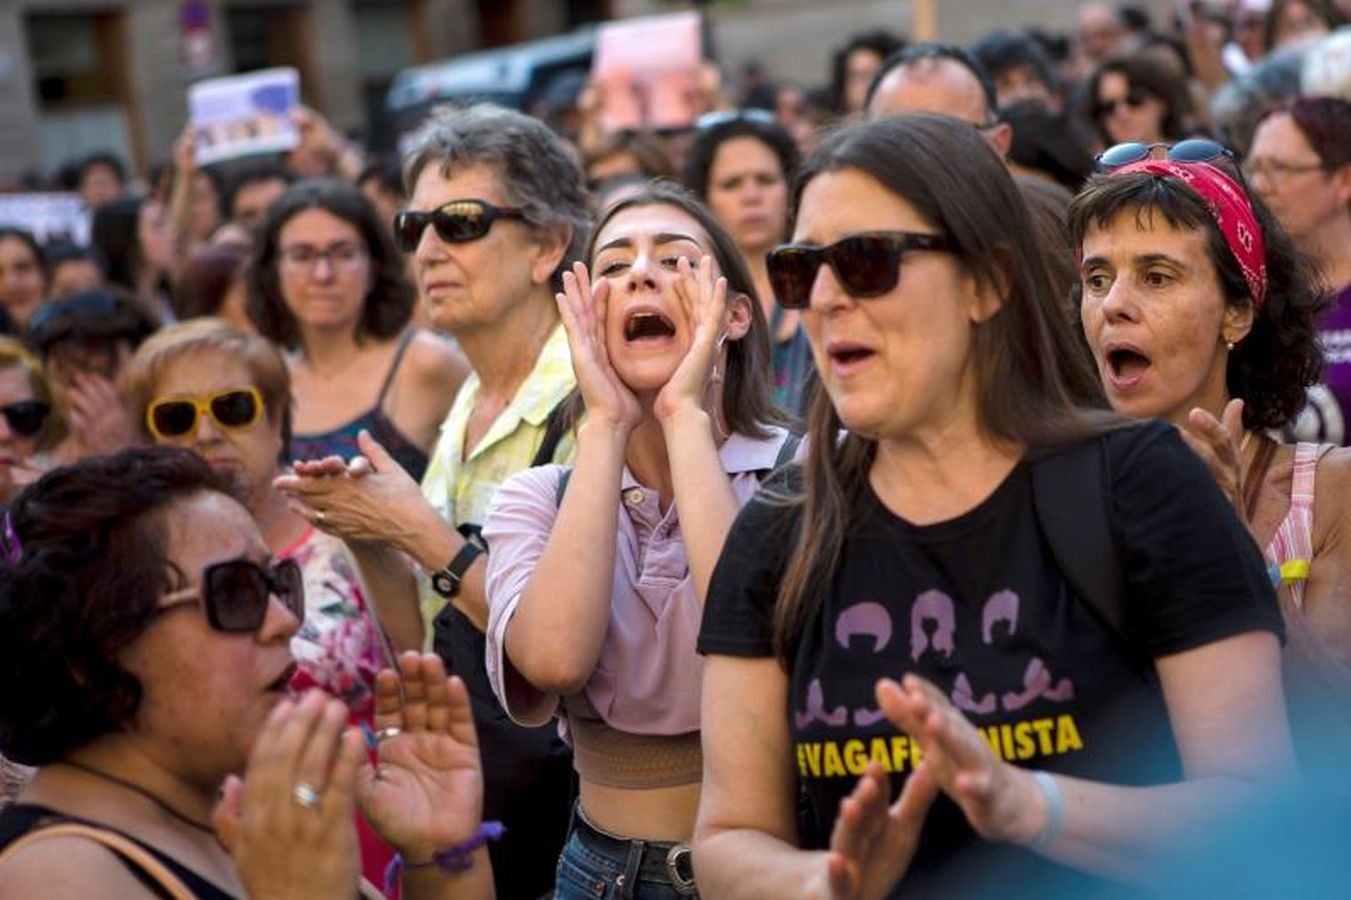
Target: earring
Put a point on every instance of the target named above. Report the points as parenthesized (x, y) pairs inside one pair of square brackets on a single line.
[(1229, 345)]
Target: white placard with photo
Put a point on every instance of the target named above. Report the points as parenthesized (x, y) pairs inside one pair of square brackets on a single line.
[(51, 217), (242, 115)]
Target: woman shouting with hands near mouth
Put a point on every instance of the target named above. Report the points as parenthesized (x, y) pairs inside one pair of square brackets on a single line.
[(595, 583)]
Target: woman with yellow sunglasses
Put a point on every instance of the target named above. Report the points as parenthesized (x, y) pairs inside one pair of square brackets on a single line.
[(226, 395)]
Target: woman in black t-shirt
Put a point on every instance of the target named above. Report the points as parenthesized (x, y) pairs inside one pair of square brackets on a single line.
[(897, 611)]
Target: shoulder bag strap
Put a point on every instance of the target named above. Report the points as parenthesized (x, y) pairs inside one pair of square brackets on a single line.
[(127, 849), (554, 430), (1070, 490)]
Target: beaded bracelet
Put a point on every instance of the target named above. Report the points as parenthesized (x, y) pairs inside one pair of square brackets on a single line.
[(452, 860)]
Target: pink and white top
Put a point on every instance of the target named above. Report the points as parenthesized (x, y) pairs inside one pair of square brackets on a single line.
[(1291, 548), (648, 677)]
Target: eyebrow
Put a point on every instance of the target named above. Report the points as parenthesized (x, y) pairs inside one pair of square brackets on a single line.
[(665, 237), (1144, 259)]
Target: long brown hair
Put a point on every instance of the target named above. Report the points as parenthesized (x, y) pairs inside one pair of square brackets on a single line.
[(1034, 387)]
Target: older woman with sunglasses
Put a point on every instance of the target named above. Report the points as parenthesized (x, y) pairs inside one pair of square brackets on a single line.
[(226, 395), (145, 639), (935, 605), (1199, 310), (497, 212), (326, 285)]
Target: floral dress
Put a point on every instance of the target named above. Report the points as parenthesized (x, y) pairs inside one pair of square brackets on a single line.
[(340, 648)]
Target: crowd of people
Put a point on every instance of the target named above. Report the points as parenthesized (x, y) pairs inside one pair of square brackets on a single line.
[(928, 485)]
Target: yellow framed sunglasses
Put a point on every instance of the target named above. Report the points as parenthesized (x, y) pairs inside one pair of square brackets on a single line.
[(233, 409)]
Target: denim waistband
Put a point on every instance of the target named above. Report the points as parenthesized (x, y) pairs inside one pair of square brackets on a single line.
[(659, 861)]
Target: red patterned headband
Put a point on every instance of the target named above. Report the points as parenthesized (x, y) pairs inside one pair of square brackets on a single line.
[(1231, 208)]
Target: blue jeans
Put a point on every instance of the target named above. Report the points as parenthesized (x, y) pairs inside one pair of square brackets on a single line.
[(595, 866)]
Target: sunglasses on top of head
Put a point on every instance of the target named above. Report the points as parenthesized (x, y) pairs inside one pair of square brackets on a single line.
[(456, 222), (1193, 150), (866, 265), (233, 409), (26, 417), (236, 593)]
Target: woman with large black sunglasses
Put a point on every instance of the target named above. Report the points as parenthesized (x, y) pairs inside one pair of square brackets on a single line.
[(979, 584), (31, 423), (145, 636)]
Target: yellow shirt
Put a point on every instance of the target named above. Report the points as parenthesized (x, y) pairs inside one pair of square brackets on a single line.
[(460, 487)]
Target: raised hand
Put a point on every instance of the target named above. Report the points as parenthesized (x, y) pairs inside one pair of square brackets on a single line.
[(704, 301), (872, 843), (1002, 802), (289, 822), (426, 791), (582, 306), (99, 422), (367, 499), (1219, 443)]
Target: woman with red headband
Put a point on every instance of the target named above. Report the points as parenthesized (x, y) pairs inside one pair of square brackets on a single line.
[(1199, 310)]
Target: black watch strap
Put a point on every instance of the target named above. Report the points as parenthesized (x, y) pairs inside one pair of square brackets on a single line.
[(446, 582)]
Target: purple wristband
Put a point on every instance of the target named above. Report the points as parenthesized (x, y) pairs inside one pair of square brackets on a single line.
[(452, 860)]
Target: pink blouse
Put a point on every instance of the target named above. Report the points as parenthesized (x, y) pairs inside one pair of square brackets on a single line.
[(648, 677)]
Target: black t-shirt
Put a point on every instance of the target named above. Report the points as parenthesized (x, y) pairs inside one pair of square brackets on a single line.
[(978, 606)]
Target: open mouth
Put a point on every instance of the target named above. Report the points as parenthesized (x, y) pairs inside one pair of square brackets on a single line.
[(282, 683), (848, 354), (1126, 366), (648, 326)]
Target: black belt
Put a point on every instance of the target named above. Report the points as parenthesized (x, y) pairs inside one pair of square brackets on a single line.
[(661, 861)]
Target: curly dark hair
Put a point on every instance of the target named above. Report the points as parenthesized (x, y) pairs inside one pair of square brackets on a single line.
[(1281, 356), (388, 306), (699, 163), (85, 562)]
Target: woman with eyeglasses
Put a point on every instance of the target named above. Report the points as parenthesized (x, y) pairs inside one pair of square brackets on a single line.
[(145, 633), (1300, 165), (597, 572), (741, 165), (979, 585), (326, 285), (226, 395), (1200, 311), (1135, 98)]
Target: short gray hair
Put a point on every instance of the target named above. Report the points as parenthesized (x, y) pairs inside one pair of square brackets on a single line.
[(538, 173)]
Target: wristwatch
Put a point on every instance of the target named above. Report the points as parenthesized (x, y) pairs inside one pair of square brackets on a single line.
[(446, 581)]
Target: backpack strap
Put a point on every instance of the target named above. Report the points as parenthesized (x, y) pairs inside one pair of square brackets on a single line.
[(554, 429), (1071, 488), (788, 449), (125, 848)]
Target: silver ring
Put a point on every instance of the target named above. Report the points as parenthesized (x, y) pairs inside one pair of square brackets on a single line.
[(385, 734), (306, 795), (319, 517)]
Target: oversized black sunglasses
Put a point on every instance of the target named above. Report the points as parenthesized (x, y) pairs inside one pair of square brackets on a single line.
[(456, 222), (867, 264), (1135, 98), (236, 593), (1192, 150), (26, 417)]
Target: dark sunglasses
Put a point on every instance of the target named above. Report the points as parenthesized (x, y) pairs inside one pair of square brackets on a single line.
[(867, 265), (231, 410), (26, 417), (236, 593), (1135, 98), (1191, 151), (457, 222)]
